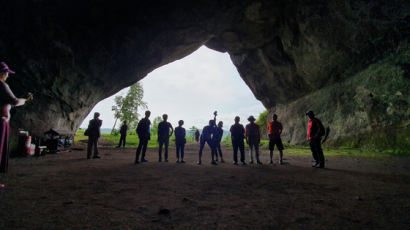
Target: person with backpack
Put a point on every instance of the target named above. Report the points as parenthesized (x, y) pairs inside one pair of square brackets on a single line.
[(144, 135), (315, 132)]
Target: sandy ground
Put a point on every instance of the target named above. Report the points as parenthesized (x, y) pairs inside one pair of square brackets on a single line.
[(66, 191)]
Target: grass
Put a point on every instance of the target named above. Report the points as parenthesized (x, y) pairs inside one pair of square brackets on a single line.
[(132, 139), (294, 150)]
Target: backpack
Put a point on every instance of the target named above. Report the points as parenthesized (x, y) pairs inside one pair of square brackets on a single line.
[(322, 130)]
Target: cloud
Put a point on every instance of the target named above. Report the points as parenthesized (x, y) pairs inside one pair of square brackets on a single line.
[(192, 88)]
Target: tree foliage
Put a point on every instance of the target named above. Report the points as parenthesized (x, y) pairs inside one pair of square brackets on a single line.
[(154, 126), (126, 108)]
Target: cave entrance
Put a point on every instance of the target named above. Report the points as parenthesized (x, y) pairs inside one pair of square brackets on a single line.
[(191, 89)]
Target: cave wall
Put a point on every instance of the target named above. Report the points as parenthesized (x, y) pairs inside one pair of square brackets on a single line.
[(294, 55)]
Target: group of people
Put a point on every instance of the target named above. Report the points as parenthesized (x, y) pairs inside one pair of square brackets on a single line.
[(212, 135)]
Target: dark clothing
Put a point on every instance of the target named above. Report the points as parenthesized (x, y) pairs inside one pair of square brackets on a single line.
[(163, 130), (317, 152), (314, 128), (180, 135), (207, 133), (92, 143), (237, 136), (6, 96), (237, 132), (4, 145), (206, 137), (123, 130), (180, 141), (274, 129), (143, 129), (94, 127), (241, 145), (163, 137), (180, 149), (161, 143), (142, 145), (252, 131), (217, 137), (202, 145), (122, 140), (277, 142), (94, 134)]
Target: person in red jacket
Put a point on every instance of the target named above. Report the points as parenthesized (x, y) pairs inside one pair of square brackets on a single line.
[(315, 132), (275, 130)]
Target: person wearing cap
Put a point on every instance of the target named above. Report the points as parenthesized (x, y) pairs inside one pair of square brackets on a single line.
[(144, 135), (217, 138), (163, 137), (253, 137), (237, 135), (7, 100), (315, 132), (274, 131), (93, 135), (123, 132), (180, 141)]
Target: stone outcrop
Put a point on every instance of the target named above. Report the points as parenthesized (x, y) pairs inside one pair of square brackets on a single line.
[(329, 56)]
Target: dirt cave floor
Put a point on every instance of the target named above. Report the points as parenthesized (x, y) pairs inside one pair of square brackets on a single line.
[(67, 191)]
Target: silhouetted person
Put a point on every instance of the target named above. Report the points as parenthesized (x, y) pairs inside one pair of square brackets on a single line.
[(180, 141), (143, 131), (315, 132), (275, 130), (206, 137), (123, 132), (217, 137), (197, 134), (93, 135), (163, 136), (7, 100), (253, 138), (237, 135)]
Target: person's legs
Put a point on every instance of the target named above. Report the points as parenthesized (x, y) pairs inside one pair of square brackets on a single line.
[(279, 144), (137, 154), (178, 147), (242, 150), (89, 147), (160, 150), (119, 144), (144, 149), (314, 153), (166, 142), (211, 146), (250, 144), (201, 147), (257, 153), (182, 152), (235, 152), (4, 146), (271, 148), (218, 146), (319, 153), (124, 140), (95, 144)]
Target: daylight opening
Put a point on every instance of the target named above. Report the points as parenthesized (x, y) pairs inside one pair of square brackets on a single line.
[(191, 89)]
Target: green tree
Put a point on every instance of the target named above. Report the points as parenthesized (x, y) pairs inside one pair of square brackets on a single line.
[(155, 123), (263, 123), (126, 108)]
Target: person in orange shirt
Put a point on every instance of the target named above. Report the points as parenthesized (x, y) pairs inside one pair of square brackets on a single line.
[(274, 130)]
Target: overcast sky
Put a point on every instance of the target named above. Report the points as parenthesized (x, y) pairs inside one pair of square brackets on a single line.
[(191, 89)]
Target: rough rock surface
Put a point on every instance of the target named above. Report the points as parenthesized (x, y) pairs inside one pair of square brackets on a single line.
[(294, 55)]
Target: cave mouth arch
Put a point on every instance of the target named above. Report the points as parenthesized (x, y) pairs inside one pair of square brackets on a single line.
[(190, 89)]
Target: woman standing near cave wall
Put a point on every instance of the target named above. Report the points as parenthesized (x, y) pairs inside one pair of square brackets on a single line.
[(7, 99)]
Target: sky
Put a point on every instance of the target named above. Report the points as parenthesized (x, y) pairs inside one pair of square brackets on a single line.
[(191, 89)]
